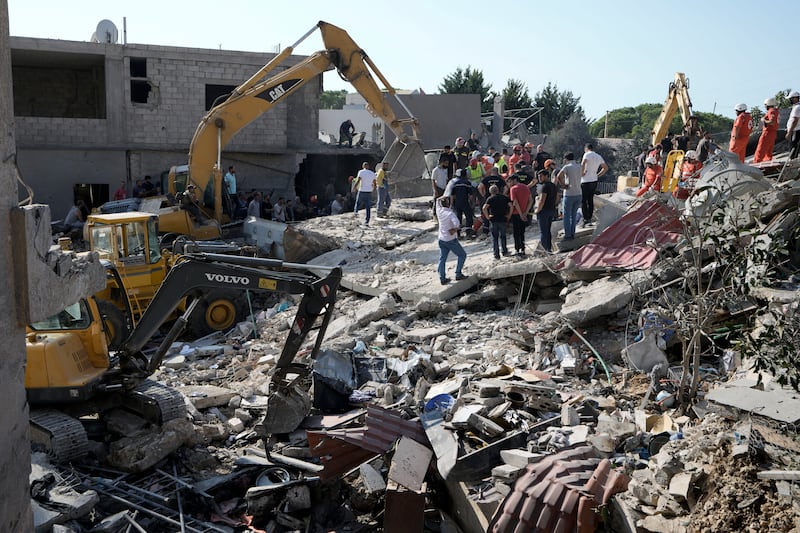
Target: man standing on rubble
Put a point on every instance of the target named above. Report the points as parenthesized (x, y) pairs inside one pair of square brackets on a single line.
[(382, 184), (593, 167), (569, 178), (545, 210), (520, 204), (497, 210), (706, 147), (448, 240), (365, 186), (740, 133), (769, 130), (346, 132), (793, 125)]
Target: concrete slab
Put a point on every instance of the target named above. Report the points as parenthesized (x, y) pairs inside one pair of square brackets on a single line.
[(781, 405), (205, 396), (410, 271), (410, 463)]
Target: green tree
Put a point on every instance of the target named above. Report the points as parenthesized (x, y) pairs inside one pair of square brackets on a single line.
[(468, 81), (638, 122), (570, 136), (558, 107), (783, 99), (332, 99)]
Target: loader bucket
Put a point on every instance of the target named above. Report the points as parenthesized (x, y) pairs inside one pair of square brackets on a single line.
[(406, 161), (286, 409)]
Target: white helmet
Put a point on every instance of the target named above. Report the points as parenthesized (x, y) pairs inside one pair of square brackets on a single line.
[(691, 154), (770, 102), (794, 94), (650, 160), (476, 154), (740, 107)]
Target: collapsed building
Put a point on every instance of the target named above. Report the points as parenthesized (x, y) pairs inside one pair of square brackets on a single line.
[(554, 392)]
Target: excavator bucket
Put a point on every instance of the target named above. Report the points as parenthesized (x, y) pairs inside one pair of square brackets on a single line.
[(286, 409), (406, 161)]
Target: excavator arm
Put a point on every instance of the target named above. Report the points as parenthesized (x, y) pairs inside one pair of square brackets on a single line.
[(197, 273), (677, 97), (258, 95)]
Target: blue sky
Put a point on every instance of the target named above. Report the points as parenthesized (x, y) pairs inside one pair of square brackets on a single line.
[(611, 54)]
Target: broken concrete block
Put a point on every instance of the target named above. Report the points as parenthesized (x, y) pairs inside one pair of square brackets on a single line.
[(461, 416), (506, 473), (682, 487), (214, 432), (486, 390), (235, 425), (645, 354), (484, 425), (44, 519), (600, 298), (205, 396), (420, 335), (372, 479), (139, 453), (409, 464), (643, 489), (520, 458), (569, 416), (375, 309), (618, 429), (175, 362)]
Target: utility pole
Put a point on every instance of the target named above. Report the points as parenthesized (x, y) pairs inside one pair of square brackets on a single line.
[(605, 130)]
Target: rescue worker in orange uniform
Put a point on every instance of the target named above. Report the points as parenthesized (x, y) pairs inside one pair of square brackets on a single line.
[(740, 133), (690, 172), (652, 176), (769, 131)]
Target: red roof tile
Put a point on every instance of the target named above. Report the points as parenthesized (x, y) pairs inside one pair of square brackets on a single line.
[(559, 493)]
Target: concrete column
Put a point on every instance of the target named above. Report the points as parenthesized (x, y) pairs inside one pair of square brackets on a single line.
[(497, 120), (15, 463)]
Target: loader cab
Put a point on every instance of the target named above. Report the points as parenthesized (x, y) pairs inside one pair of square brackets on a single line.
[(67, 354), (130, 242)]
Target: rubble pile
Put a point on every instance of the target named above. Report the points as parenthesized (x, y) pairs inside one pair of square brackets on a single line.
[(547, 397)]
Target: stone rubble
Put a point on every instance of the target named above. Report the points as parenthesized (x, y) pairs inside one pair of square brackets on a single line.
[(500, 382)]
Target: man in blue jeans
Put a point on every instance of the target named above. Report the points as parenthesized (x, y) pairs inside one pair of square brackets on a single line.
[(569, 179), (364, 185), (448, 240), (546, 209)]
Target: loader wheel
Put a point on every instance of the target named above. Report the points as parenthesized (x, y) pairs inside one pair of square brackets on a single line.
[(221, 311), (114, 322)]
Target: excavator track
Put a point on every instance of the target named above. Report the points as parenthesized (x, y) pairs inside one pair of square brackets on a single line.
[(158, 403), (63, 436)]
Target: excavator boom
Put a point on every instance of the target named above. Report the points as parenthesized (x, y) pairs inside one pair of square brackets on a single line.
[(258, 95), (677, 97)]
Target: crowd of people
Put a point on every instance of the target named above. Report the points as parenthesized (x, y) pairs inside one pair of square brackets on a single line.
[(488, 192)]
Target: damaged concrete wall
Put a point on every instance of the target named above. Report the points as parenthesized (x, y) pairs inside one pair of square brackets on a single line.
[(47, 279), (15, 506)]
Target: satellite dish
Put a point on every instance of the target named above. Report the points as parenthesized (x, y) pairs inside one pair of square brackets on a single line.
[(106, 32)]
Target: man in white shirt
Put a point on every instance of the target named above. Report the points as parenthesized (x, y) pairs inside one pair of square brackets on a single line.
[(365, 186), (593, 167), (793, 125)]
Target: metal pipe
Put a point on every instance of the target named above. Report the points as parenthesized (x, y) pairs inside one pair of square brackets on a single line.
[(178, 496)]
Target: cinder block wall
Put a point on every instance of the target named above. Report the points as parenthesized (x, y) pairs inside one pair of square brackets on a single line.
[(138, 138)]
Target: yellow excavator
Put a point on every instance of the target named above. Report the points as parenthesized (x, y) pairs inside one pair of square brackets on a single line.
[(677, 98), (258, 95), (71, 373)]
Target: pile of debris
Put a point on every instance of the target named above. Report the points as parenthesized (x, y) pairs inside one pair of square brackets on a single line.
[(564, 404)]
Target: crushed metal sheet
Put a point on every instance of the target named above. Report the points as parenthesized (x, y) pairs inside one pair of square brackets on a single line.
[(341, 450), (560, 493), (633, 241), (337, 456)]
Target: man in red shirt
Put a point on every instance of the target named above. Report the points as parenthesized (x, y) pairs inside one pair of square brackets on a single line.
[(520, 205)]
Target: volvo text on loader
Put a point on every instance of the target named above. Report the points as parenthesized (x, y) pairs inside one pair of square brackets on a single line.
[(258, 95), (71, 373)]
